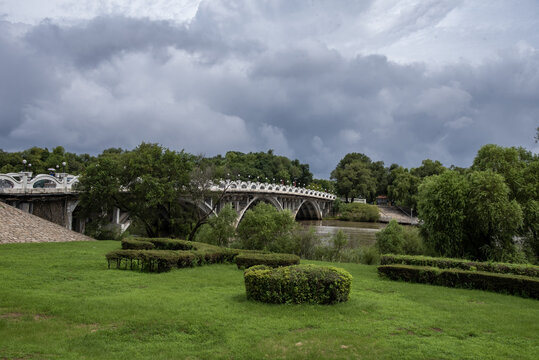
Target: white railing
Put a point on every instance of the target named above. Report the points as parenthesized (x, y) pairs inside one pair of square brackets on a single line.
[(260, 187), (42, 183)]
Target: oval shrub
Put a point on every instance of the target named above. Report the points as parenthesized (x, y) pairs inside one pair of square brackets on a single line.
[(298, 284), (246, 260)]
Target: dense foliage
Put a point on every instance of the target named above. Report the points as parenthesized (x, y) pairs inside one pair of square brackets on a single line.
[(509, 284), (219, 230), (41, 159), (398, 239), (298, 284), (469, 215), (265, 228), (358, 212), (263, 167), (146, 182)]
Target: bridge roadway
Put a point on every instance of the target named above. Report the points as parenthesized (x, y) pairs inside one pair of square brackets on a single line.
[(55, 198)]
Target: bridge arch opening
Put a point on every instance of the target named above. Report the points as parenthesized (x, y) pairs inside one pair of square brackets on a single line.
[(309, 211), (6, 184), (44, 183), (257, 200)]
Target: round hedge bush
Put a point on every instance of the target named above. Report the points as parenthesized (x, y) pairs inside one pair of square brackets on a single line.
[(298, 284), (246, 260)]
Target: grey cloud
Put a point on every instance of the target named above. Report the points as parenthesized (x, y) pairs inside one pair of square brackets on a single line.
[(216, 84)]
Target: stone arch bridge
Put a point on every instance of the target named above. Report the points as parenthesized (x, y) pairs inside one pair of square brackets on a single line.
[(55, 198)]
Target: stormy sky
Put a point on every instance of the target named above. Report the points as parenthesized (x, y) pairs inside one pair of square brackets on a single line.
[(400, 81)]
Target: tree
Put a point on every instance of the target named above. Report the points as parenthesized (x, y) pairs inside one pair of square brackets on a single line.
[(508, 162), (404, 187), (442, 203), (219, 230), (469, 215), (262, 167), (146, 182), (200, 192), (266, 228), (428, 168), (519, 169), (354, 177), (492, 219)]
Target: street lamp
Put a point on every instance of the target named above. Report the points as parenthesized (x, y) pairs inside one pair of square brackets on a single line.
[(24, 164), (64, 166)]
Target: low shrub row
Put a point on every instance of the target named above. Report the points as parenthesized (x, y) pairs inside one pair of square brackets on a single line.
[(504, 283), (447, 263), (159, 254), (297, 284), (151, 260), (246, 260), (130, 244)]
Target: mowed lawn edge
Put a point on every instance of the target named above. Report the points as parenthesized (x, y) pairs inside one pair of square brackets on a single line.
[(59, 301)]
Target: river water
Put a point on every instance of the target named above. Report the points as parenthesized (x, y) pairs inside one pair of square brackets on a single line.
[(359, 234)]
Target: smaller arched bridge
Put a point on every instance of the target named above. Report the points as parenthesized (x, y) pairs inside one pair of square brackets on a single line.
[(24, 191)]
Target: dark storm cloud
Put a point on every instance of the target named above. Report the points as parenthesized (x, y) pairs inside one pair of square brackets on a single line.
[(249, 78)]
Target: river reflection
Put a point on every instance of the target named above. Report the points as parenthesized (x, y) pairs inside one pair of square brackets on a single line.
[(359, 233)]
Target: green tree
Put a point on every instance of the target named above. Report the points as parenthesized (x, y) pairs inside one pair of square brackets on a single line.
[(428, 168), (219, 230), (520, 169), (442, 209), (404, 187), (266, 228), (146, 182), (509, 162), (354, 177), (389, 240), (492, 218), (469, 215), (397, 239)]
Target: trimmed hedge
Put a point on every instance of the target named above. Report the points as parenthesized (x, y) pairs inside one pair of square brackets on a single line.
[(151, 260), (246, 260), (131, 244), (447, 263), (157, 255), (504, 283), (297, 284)]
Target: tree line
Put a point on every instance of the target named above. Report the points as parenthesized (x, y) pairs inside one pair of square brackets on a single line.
[(488, 210), (149, 181)]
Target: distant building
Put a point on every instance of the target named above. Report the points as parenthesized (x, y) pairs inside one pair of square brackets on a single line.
[(382, 200)]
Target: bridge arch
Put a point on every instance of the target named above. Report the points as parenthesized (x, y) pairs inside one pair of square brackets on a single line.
[(255, 200), (8, 181), (6, 184), (309, 210)]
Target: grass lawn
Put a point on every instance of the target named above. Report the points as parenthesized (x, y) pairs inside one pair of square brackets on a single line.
[(59, 301)]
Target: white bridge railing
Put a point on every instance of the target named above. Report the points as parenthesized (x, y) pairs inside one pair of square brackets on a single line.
[(260, 187), (17, 183)]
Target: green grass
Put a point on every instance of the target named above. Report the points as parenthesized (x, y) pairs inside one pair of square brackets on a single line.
[(59, 301)]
